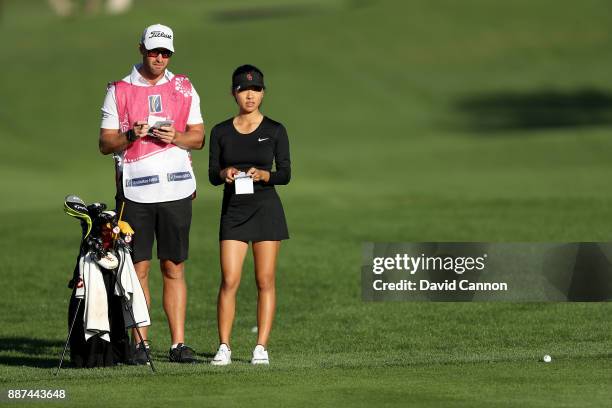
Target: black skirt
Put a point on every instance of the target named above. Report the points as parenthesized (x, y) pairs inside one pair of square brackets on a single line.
[(253, 217)]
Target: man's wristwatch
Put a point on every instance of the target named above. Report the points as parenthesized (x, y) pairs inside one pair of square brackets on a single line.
[(131, 135)]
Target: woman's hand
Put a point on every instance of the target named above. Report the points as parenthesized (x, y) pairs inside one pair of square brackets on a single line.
[(258, 175), (229, 174)]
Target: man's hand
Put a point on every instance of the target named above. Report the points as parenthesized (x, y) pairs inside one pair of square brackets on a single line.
[(258, 175), (140, 128), (229, 174), (166, 134), (191, 138), (113, 141)]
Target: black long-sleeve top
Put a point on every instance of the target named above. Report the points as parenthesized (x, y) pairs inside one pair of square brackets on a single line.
[(261, 148)]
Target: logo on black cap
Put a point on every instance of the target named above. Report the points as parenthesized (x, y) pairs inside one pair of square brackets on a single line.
[(247, 76)]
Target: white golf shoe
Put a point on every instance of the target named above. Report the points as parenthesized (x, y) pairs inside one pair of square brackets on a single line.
[(223, 356), (260, 355)]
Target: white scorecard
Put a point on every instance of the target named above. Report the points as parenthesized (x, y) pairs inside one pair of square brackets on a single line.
[(244, 183)]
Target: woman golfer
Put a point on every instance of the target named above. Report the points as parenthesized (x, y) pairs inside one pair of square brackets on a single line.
[(242, 150)]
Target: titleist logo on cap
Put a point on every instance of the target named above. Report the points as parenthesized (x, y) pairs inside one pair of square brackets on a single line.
[(154, 34)]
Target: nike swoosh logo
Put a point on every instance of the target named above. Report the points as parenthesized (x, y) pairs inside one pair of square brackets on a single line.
[(261, 140)]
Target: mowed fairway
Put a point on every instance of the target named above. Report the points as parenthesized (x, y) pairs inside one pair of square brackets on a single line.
[(408, 121)]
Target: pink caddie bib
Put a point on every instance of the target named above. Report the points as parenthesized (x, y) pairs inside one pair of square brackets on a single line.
[(149, 170)]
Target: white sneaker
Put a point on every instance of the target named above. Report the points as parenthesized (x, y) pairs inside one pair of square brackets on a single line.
[(223, 356), (260, 355)]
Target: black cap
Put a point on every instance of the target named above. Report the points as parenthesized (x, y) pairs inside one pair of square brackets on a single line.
[(246, 76)]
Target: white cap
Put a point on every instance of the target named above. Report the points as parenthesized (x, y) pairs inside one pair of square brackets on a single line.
[(158, 36)]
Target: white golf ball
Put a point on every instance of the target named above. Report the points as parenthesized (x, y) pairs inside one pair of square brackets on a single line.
[(547, 358), (254, 329)]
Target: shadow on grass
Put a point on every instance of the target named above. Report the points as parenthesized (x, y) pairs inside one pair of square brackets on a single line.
[(37, 362), (32, 352), (265, 12), (280, 11), (204, 357), (36, 351), (209, 356), (540, 109)]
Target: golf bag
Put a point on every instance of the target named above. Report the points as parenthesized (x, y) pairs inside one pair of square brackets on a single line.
[(106, 295), (95, 351)]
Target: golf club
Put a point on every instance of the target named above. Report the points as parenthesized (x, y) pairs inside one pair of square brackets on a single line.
[(128, 307), (74, 206)]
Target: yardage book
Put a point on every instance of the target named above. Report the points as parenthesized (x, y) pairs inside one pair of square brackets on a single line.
[(244, 183)]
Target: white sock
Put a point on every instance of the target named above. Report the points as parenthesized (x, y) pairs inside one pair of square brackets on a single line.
[(175, 345)]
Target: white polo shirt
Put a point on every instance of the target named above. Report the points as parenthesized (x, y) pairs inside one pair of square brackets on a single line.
[(110, 116)]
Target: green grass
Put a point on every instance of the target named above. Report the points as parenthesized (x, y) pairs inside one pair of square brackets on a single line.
[(370, 93)]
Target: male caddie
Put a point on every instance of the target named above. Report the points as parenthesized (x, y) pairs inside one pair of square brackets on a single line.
[(151, 121)]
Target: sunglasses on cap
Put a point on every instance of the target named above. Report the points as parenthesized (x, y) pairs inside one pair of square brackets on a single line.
[(156, 51)]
